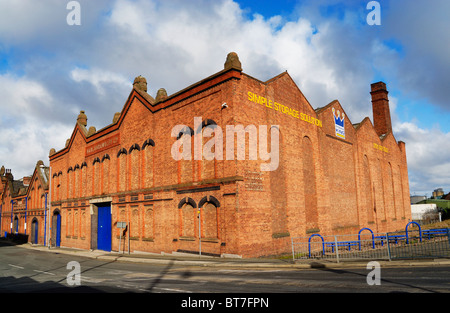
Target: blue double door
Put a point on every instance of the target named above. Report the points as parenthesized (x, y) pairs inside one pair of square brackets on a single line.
[(104, 227), (56, 229)]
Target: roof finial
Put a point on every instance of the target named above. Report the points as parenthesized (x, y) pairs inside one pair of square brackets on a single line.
[(233, 61), (161, 95), (140, 83), (82, 118)]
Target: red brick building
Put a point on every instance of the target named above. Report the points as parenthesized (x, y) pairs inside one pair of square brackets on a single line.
[(23, 209), (282, 169), (13, 204)]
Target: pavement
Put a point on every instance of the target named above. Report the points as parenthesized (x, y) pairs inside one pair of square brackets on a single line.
[(185, 259)]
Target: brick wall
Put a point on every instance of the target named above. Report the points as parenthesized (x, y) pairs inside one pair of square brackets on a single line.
[(323, 183)]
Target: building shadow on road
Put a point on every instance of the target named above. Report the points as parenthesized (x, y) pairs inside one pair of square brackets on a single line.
[(323, 267), (158, 279), (22, 285)]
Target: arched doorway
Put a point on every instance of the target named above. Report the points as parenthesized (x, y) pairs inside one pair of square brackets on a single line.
[(16, 225), (56, 229), (34, 231)]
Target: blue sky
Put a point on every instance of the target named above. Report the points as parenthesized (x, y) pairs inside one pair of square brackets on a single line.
[(52, 70)]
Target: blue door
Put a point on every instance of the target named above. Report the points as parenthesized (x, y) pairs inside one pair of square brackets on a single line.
[(104, 227), (58, 230)]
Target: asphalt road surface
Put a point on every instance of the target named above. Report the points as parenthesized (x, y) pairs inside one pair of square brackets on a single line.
[(31, 271)]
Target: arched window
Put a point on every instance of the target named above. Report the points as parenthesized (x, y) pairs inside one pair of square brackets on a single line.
[(148, 154), (368, 203), (309, 185), (122, 218), (69, 224), (401, 191), (380, 193), (34, 231), (122, 170), (76, 220), (82, 223), (135, 167), (96, 176), (70, 183), (135, 225), (185, 149), (16, 224), (83, 175), (212, 149), (76, 181), (149, 222), (134, 147), (106, 162), (188, 214), (391, 192), (210, 217), (122, 151), (58, 186), (148, 142)]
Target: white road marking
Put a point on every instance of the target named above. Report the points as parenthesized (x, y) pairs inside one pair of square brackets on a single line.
[(16, 266), (250, 271), (170, 289), (91, 280), (43, 272)]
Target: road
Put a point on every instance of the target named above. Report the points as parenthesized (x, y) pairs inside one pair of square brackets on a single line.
[(28, 271)]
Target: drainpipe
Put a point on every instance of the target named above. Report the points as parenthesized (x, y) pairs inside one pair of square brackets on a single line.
[(45, 219), (48, 206), (12, 207), (26, 207)]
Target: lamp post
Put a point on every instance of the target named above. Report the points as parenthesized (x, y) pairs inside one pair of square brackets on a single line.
[(199, 233)]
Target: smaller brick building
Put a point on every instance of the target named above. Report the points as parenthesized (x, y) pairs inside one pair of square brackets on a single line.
[(23, 208)]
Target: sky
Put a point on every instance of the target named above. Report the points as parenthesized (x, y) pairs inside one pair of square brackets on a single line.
[(51, 68)]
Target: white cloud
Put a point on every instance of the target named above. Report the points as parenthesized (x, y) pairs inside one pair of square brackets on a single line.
[(20, 94), (27, 138), (100, 79), (427, 155), (23, 20), (25, 146), (422, 29)]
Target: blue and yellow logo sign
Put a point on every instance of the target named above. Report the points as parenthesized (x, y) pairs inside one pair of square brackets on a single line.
[(339, 125)]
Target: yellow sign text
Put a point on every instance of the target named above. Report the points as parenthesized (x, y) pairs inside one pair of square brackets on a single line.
[(380, 147), (283, 109)]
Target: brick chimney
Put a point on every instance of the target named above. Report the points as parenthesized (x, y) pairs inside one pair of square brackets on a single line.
[(26, 180), (380, 107), (9, 175)]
